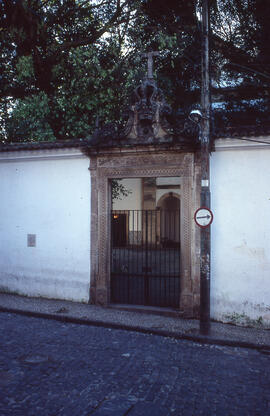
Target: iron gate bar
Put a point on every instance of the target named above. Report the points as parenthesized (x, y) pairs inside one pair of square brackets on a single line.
[(145, 265)]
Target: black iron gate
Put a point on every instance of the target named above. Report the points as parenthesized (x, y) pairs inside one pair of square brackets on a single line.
[(145, 258)]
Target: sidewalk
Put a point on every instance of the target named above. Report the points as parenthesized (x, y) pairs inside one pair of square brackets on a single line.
[(147, 320)]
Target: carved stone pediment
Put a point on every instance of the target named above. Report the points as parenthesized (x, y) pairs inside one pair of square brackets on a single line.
[(147, 121)]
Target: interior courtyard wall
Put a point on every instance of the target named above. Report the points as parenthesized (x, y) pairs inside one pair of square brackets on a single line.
[(240, 173), (134, 198), (46, 194), (133, 201)]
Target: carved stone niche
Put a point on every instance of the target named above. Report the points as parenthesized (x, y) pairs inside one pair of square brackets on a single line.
[(137, 163)]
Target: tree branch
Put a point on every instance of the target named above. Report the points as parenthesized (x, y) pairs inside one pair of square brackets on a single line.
[(250, 69), (99, 33)]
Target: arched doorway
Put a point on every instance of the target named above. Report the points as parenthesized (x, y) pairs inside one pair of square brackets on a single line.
[(169, 227)]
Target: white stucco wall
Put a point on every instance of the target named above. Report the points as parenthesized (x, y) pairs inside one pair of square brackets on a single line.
[(46, 193), (240, 190)]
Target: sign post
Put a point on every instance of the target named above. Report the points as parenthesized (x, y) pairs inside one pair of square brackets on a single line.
[(203, 217), (205, 175)]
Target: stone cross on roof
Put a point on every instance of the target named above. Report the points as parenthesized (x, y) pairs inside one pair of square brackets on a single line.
[(149, 56)]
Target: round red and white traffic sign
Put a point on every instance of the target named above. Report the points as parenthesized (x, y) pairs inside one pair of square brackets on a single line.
[(203, 217)]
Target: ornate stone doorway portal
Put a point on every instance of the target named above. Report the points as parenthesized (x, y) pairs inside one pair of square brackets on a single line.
[(152, 144), (137, 163)]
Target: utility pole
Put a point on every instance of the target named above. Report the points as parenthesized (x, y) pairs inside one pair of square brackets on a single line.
[(205, 175)]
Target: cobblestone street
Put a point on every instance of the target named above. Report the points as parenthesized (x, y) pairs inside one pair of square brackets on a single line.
[(53, 368)]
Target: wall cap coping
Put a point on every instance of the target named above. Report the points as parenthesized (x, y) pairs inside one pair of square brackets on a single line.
[(41, 154), (245, 143), (75, 149)]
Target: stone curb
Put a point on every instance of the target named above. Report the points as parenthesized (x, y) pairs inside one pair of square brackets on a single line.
[(195, 338)]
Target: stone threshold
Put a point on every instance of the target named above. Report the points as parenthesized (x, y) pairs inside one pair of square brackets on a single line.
[(151, 310)]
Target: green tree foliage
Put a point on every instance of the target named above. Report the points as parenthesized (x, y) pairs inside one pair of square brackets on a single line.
[(119, 191), (240, 59), (63, 59), (240, 36), (65, 62)]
